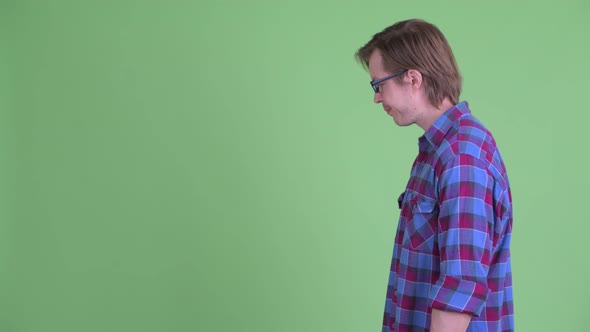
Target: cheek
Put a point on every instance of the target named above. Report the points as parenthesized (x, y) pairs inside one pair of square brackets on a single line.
[(390, 97), (390, 102), (386, 98)]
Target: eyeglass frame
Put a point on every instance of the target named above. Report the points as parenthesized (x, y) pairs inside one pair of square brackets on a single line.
[(375, 83)]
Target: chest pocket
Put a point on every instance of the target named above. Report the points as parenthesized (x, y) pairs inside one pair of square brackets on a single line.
[(421, 222)]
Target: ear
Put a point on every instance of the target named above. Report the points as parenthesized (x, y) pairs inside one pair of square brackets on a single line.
[(414, 78)]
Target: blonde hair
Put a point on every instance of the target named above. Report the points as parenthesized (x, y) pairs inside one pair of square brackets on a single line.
[(417, 44)]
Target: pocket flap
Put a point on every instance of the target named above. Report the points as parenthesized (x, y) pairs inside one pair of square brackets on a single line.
[(400, 199)]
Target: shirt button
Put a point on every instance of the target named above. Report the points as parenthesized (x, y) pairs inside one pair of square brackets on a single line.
[(395, 293)]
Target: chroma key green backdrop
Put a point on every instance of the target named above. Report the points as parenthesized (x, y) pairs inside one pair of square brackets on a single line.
[(220, 166)]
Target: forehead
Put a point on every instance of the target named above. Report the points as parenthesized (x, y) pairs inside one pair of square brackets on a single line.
[(376, 67)]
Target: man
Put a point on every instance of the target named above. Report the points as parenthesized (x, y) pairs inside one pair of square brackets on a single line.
[(450, 269)]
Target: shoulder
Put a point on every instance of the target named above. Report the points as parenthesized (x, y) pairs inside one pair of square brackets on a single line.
[(468, 137), (469, 143)]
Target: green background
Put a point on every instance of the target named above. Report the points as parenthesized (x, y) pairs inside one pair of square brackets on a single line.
[(220, 165)]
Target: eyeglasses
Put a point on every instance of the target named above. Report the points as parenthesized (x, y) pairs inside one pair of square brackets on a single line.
[(376, 83)]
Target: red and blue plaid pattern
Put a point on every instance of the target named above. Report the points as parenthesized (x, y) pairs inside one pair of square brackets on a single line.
[(452, 247)]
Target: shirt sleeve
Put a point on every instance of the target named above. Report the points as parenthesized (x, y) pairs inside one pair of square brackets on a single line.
[(464, 222)]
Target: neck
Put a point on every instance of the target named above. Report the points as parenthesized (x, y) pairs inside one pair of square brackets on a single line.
[(431, 113)]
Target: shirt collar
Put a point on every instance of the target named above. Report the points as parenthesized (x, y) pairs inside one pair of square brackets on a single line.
[(437, 132)]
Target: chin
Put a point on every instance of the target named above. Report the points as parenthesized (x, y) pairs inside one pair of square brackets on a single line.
[(401, 124), (398, 122)]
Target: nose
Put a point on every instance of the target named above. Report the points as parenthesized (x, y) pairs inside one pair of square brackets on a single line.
[(377, 98)]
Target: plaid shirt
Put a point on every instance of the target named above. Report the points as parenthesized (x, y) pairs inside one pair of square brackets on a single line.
[(452, 246)]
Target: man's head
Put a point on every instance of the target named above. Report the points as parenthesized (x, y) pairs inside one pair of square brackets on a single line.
[(427, 74)]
